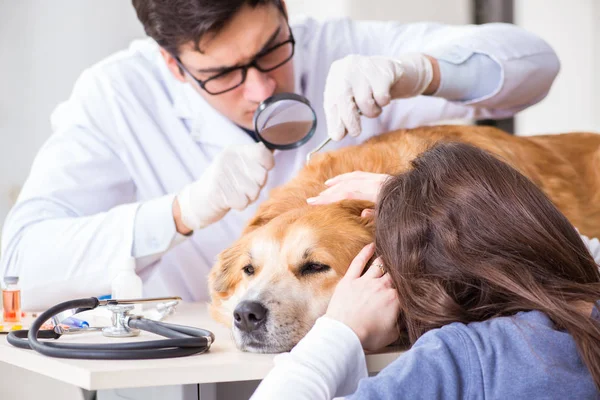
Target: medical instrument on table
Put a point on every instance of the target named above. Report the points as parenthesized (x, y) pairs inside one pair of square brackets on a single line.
[(285, 121), (11, 299), (75, 323), (183, 340)]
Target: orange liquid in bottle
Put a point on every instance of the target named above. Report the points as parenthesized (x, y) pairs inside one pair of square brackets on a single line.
[(12, 305)]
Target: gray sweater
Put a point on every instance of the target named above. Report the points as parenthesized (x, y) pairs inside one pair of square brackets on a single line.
[(519, 357)]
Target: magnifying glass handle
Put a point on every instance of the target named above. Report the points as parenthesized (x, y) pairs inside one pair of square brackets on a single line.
[(323, 144)]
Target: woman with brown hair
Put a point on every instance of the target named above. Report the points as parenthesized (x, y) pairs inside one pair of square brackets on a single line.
[(494, 286)]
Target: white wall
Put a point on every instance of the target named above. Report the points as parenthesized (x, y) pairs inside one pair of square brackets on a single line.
[(320, 10), (448, 11), (572, 28), (44, 46)]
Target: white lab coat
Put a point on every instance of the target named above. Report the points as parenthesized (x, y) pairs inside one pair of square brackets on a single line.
[(131, 133)]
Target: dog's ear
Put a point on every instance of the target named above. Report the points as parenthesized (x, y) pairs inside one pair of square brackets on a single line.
[(263, 216), (356, 208), (224, 276)]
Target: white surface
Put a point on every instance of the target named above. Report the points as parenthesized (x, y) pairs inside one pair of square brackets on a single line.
[(223, 363), (572, 28)]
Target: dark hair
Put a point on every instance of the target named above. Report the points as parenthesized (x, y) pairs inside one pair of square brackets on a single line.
[(466, 238), (172, 23)]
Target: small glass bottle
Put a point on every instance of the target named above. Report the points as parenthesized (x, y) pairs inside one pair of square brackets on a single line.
[(11, 299)]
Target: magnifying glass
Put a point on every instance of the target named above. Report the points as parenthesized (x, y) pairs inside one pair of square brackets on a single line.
[(285, 121)]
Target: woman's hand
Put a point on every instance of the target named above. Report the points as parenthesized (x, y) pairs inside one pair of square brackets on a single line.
[(357, 185), (368, 304)]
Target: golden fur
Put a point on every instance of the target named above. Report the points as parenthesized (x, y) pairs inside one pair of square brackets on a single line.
[(286, 234)]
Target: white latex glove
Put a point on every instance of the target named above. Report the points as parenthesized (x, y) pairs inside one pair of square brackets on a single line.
[(233, 180), (367, 84)]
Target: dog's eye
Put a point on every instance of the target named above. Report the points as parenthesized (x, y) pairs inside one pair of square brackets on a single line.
[(249, 270), (313, 268)]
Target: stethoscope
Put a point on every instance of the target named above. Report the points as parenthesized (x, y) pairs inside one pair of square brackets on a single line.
[(183, 340)]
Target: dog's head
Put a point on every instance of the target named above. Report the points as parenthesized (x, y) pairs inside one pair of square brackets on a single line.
[(275, 281)]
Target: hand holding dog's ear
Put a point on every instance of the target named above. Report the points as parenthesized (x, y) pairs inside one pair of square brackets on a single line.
[(368, 304), (365, 84)]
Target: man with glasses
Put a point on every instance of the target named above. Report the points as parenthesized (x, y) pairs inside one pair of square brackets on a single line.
[(153, 156)]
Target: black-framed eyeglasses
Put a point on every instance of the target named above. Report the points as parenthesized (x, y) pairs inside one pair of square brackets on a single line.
[(265, 61)]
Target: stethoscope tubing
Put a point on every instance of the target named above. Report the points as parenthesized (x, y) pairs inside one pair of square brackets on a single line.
[(183, 340)]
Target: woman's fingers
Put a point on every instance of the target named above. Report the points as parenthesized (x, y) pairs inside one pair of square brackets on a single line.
[(334, 197), (376, 270), (367, 213), (356, 176), (357, 185), (358, 264), (348, 176)]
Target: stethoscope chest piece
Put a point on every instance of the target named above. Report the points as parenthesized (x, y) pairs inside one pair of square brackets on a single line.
[(120, 321)]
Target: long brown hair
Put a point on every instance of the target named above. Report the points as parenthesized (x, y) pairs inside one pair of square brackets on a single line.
[(466, 238)]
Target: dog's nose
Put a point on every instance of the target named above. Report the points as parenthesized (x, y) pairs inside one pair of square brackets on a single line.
[(249, 315)]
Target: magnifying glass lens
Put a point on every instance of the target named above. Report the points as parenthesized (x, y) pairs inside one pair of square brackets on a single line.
[(285, 123)]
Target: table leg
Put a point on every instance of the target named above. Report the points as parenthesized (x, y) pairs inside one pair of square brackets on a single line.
[(89, 394)]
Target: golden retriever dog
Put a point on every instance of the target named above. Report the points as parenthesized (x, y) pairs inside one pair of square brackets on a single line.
[(274, 282)]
